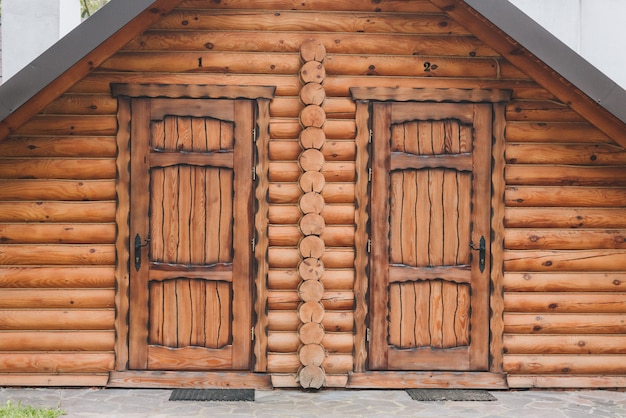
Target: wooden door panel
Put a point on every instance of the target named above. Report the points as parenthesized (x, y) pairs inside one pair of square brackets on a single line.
[(430, 206), (194, 207)]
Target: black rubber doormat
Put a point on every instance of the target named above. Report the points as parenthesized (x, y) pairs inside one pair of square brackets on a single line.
[(450, 395), (223, 395)]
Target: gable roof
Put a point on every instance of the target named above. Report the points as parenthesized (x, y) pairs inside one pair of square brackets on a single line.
[(497, 23)]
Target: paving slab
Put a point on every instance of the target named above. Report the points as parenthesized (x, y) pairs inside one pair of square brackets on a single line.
[(293, 403)]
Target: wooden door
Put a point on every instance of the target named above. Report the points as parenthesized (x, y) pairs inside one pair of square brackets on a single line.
[(430, 235), (191, 198)]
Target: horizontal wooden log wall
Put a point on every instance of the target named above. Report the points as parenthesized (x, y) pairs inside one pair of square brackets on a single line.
[(565, 212), (565, 266)]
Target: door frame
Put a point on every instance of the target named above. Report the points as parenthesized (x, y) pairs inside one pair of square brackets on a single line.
[(124, 94), (363, 97)]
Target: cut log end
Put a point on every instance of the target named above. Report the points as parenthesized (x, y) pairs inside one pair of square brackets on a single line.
[(311, 312), (311, 333), (312, 94), (312, 50), (312, 202), (311, 269), (313, 115), (311, 160), (312, 377), (311, 291), (312, 137), (312, 224), (312, 181), (312, 246), (311, 355)]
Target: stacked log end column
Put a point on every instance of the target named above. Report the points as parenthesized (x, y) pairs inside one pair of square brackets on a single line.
[(311, 353)]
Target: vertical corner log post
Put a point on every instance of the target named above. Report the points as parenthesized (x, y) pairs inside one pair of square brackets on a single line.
[(311, 353)]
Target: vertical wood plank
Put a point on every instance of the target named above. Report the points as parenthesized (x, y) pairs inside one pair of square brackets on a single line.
[(379, 257), (422, 215), (497, 241), (198, 135), (411, 138), (422, 309), (185, 136), (464, 221), (170, 141), (449, 297), (481, 220), (213, 209), (156, 313), (450, 218), (226, 135), (225, 241), (397, 138), (122, 242), (407, 315), (436, 196), (262, 240), (213, 315), (170, 314), (395, 314), (198, 219), (436, 313), (361, 237), (224, 330), (185, 315), (171, 189), (438, 137), (242, 210), (396, 209), (461, 320), (157, 140), (407, 200), (185, 227), (157, 240), (140, 163), (197, 289), (424, 138), (214, 134)]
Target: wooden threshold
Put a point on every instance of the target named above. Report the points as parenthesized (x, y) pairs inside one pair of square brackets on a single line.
[(161, 379), (566, 381), (407, 380), (64, 380)]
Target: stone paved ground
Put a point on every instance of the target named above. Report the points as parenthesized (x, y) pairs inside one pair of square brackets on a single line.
[(325, 403)]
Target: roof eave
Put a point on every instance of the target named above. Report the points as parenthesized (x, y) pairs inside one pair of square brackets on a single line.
[(542, 44), (81, 50)]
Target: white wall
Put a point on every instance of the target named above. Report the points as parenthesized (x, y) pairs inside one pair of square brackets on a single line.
[(29, 27), (593, 28)]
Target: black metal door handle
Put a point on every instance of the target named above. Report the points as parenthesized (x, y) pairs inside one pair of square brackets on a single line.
[(138, 246), (481, 253)]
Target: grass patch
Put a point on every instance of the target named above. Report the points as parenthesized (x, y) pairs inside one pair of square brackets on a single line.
[(12, 410)]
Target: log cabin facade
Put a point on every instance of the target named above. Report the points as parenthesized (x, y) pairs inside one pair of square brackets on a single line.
[(279, 193)]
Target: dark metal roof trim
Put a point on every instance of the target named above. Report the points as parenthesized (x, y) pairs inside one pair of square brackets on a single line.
[(61, 56), (554, 53)]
